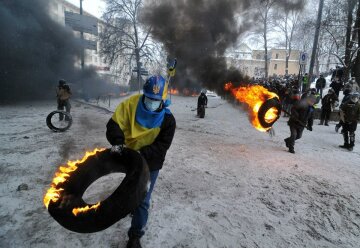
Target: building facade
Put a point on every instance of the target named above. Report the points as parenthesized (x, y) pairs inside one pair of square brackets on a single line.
[(252, 62), (91, 57)]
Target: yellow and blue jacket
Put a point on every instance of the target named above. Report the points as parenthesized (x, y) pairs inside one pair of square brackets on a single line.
[(150, 133)]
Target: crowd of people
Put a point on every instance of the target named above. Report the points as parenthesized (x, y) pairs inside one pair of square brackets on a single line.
[(299, 102)]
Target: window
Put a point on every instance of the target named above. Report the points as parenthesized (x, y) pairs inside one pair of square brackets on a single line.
[(277, 56), (258, 56), (275, 66)]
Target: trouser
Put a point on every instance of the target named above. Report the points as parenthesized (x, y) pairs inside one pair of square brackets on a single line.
[(140, 215), (349, 133), (295, 134), (319, 91), (325, 115), (61, 105), (287, 108), (304, 87)]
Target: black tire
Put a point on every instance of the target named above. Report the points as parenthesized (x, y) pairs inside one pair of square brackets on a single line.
[(268, 104), (56, 129), (201, 111), (125, 199)]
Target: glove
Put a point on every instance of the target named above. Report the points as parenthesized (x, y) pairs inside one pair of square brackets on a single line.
[(309, 128), (117, 149)]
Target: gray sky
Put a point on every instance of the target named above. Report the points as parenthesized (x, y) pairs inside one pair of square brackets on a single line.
[(94, 7)]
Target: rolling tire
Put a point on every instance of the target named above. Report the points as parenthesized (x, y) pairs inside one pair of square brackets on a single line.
[(268, 104), (56, 129), (125, 199)]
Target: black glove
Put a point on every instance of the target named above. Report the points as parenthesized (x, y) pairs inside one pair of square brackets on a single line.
[(117, 149), (309, 128)]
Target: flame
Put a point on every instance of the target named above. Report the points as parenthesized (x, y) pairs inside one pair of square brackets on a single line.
[(174, 91), (76, 211), (54, 193), (254, 96)]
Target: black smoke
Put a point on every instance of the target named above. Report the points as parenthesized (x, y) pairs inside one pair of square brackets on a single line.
[(35, 52), (198, 32)]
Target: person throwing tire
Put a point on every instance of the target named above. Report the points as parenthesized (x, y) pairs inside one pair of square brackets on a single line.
[(301, 117), (145, 124)]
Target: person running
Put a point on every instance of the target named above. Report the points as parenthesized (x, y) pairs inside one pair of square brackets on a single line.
[(301, 117)]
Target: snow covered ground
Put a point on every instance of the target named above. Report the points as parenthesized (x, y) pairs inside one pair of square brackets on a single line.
[(223, 184)]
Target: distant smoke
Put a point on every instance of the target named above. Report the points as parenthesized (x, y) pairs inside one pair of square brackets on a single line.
[(35, 52), (197, 33)]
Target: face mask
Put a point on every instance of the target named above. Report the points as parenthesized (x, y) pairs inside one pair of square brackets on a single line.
[(151, 105), (354, 99)]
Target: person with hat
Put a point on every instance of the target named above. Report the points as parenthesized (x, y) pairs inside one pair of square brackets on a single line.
[(350, 115), (63, 94), (327, 104), (143, 123), (320, 85), (301, 117)]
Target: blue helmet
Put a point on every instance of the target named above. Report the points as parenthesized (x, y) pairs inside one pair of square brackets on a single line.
[(156, 87)]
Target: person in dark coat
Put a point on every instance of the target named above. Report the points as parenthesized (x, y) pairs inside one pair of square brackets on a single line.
[(202, 102), (145, 124), (350, 115), (336, 85), (301, 117), (63, 94), (337, 74), (327, 104), (347, 91), (320, 85)]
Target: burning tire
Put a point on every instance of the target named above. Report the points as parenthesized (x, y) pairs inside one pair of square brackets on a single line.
[(81, 217), (59, 128), (272, 105)]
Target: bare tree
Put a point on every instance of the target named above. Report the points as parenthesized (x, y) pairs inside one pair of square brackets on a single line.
[(287, 22), (124, 37), (264, 9), (349, 42)]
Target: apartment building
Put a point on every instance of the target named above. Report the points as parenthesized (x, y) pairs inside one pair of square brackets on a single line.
[(91, 57), (252, 62)]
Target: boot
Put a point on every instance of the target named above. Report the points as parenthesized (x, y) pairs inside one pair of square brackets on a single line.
[(326, 123), (352, 141), (321, 122), (291, 150), (337, 127), (345, 146), (134, 242), (287, 142), (346, 141)]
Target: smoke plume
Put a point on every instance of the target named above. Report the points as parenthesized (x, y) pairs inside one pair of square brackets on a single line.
[(36, 51), (198, 32)]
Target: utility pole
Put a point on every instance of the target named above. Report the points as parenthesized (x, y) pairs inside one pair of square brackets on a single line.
[(316, 39)]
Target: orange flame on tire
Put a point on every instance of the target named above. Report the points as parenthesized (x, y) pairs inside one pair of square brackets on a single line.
[(64, 172), (254, 96)]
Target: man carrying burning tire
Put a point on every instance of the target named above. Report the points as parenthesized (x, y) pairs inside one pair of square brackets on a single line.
[(145, 124)]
